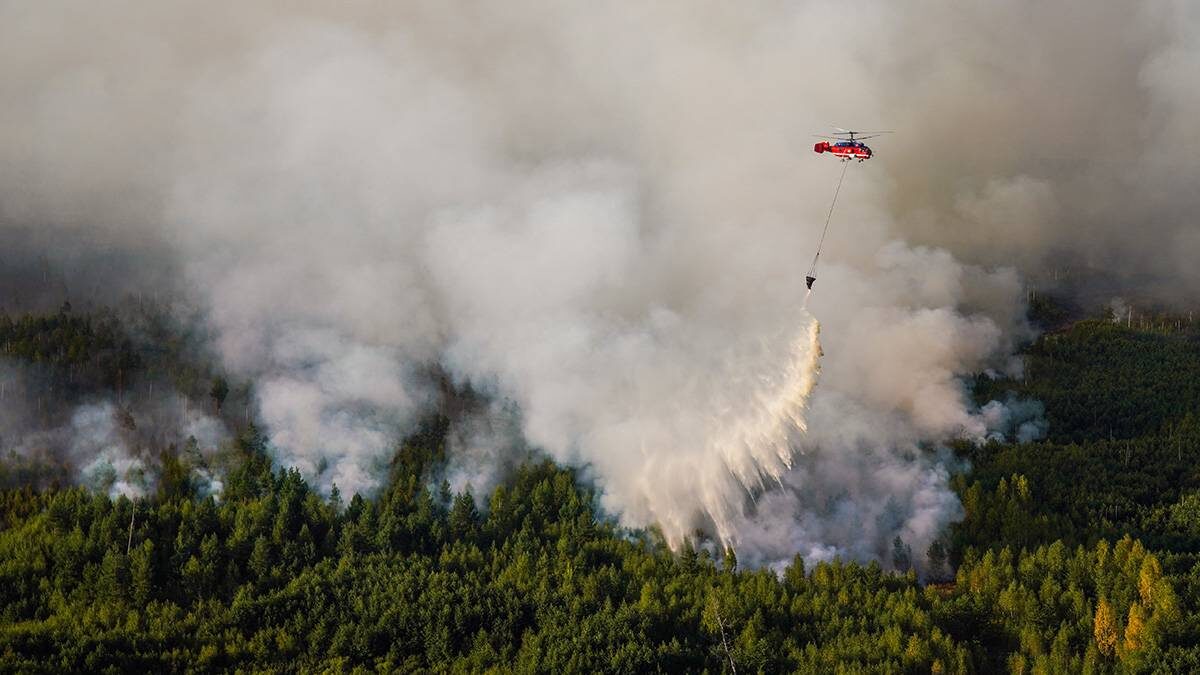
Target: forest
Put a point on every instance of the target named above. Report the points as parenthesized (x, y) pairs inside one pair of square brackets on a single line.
[(1079, 552)]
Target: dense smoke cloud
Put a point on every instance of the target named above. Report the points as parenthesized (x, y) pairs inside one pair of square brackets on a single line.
[(1063, 133), (600, 215)]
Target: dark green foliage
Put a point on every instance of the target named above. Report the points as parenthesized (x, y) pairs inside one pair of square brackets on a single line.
[(83, 351), (1123, 449), (1102, 380), (138, 354), (1042, 575), (1124, 443), (279, 578), (539, 582)]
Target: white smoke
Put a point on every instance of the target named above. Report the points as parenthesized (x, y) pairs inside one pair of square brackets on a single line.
[(111, 447), (601, 214), (1015, 419), (483, 447), (117, 448), (115, 468)]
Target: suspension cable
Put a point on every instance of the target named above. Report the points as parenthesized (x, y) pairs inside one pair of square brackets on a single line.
[(812, 270)]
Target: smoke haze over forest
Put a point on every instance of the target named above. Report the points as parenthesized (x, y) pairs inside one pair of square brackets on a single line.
[(599, 215)]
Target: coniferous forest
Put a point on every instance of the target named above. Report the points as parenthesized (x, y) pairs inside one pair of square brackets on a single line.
[(1079, 552)]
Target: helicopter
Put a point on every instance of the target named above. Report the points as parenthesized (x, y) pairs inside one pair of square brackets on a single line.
[(847, 144)]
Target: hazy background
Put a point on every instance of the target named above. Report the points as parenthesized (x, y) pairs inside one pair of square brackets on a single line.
[(600, 214)]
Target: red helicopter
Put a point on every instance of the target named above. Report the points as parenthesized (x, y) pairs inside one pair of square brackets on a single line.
[(848, 144)]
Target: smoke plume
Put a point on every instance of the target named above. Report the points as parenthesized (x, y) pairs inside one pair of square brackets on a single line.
[(600, 215)]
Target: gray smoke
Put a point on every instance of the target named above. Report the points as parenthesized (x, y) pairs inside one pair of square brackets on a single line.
[(1063, 133), (600, 214)]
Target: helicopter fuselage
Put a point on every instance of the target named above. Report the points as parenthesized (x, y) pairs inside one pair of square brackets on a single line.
[(845, 150)]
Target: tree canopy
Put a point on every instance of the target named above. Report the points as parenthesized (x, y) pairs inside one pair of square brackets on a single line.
[(1076, 554)]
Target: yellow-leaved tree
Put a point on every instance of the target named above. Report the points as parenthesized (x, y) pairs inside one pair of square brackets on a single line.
[(1104, 627), (1149, 575), (1135, 628)]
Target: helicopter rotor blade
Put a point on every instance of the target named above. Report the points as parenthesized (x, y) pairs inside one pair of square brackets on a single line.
[(847, 134)]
